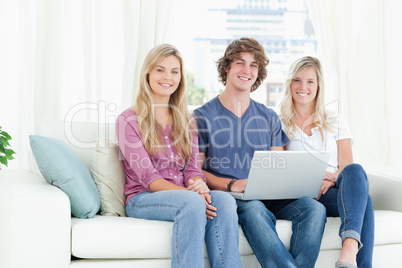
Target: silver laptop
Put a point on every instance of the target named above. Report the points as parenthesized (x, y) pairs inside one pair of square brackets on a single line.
[(284, 175)]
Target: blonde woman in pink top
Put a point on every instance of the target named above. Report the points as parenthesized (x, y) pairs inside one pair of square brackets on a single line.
[(159, 144)]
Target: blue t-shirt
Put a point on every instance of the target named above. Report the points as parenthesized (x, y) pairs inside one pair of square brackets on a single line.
[(229, 142)]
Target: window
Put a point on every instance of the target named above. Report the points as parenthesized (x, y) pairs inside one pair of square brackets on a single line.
[(282, 27)]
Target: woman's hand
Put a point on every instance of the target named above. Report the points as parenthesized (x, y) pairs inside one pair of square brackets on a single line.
[(198, 186), (330, 177), (210, 209), (327, 183)]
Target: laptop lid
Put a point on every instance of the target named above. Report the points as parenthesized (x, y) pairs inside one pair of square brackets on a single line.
[(285, 175)]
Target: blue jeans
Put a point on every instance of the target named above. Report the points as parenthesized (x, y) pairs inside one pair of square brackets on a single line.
[(258, 220), (350, 200), (191, 226)]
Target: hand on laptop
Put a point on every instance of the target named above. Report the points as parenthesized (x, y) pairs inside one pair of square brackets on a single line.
[(239, 186)]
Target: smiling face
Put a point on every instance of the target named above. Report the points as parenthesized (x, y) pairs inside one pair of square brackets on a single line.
[(304, 87), (243, 72), (164, 78)]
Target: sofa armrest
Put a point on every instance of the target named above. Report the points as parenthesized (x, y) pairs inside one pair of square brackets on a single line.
[(35, 223), (385, 191)]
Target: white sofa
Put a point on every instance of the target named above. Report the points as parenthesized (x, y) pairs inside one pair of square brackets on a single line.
[(37, 230)]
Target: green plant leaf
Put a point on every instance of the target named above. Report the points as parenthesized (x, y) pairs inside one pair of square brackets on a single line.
[(3, 160), (4, 141), (5, 154), (5, 134), (8, 152)]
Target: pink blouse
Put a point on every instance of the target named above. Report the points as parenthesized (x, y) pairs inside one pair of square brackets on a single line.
[(141, 168)]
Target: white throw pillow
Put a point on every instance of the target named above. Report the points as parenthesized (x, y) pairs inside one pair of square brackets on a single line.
[(108, 173)]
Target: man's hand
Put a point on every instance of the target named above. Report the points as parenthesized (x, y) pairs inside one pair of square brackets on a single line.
[(239, 186)]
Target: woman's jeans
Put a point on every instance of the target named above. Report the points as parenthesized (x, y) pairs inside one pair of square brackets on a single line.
[(350, 200), (191, 227), (258, 220)]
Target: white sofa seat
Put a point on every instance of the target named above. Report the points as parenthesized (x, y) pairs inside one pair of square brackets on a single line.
[(137, 238), (36, 233), (97, 238), (37, 230)]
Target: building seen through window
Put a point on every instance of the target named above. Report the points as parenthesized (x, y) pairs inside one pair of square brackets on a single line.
[(284, 29)]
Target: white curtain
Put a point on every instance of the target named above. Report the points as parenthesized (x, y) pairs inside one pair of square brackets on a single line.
[(73, 60), (361, 50)]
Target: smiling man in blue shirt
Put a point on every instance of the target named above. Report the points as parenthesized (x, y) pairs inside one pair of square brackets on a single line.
[(231, 127)]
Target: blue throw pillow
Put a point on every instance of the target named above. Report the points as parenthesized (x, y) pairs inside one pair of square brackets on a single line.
[(63, 168)]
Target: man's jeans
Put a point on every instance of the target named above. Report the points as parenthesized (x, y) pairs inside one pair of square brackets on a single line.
[(350, 200), (187, 210), (258, 219)]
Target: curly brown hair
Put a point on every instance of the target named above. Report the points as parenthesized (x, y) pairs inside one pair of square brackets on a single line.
[(233, 52)]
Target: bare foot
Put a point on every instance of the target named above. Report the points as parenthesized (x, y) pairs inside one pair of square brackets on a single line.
[(349, 251)]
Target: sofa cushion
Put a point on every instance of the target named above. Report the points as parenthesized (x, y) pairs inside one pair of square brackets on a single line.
[(62, 167), (110, 237), (108, 173), (387, 227), (99, 237)]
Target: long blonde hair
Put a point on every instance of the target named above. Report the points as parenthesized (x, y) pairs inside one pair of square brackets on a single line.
[(145, 112), (287, 107)]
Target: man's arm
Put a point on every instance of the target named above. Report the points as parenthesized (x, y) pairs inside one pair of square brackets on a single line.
[(218, 183)]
